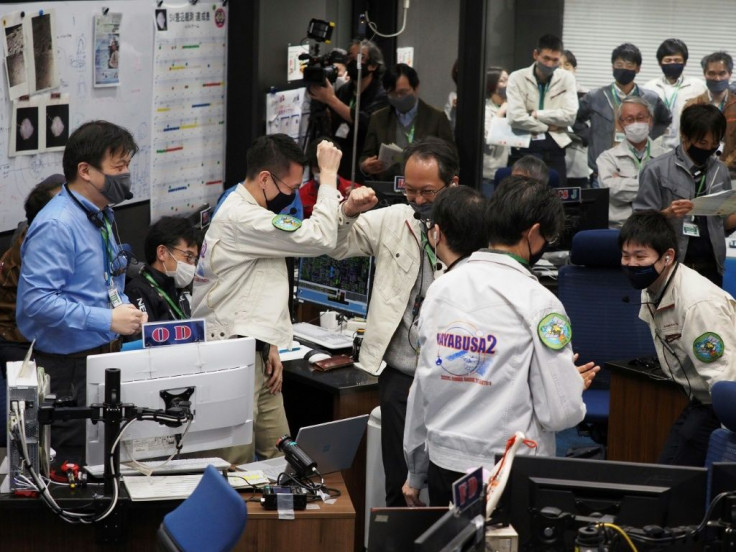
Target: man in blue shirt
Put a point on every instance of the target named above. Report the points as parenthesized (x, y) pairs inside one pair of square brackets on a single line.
[(70, 292)]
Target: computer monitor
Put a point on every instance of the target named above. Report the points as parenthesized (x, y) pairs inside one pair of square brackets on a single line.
[(631, 494), (340, 285), (722, 480), (590, 213), (220, 374)]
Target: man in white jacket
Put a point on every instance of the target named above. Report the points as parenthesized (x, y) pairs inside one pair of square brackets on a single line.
[(544, 102), (495, 354)]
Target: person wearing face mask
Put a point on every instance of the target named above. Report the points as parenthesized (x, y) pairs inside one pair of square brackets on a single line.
[(495, 352), (70, 290), (494, 156), (619, 167), (407, 119), (543, 101), (406, 264), (310, 189), (717, 70), (673, 87), (693, 325), (241, 283), (162, 287), (596, 123), (342, 103), (670, 182)]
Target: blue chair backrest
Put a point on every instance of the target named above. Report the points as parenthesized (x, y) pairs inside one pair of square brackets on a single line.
[(602, 306), (212, 518)]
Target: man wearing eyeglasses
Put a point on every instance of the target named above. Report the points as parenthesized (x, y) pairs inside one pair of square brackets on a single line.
[(161, 288), (405, 267), (407, 119), (70, 291), (241, 282)]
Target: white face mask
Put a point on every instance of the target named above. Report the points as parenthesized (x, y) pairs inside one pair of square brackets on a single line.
[(183, 275), (637, 132)]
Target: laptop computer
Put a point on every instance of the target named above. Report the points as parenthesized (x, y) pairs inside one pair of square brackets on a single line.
[(331, 445), (396, 529)]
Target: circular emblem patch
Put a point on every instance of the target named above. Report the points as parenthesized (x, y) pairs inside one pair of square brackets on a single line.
[(287, 223), (554, 331), (708, 347)]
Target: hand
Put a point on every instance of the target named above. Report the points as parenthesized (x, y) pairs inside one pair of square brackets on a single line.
[(411, 495), (324, 94), (679, 208), (359, 201), (587, 371), (127, 320), (534, 114), (328, 159), (274, 370), (502, 110), (372, 165)]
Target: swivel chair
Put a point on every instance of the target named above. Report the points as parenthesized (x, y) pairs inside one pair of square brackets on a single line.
[(604, 315), (722, 443), (212, 518)]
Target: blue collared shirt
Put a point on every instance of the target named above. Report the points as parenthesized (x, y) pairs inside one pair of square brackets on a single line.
[(63, 301)]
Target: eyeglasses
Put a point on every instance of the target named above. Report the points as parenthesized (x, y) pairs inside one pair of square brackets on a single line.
[(638, 119), (189, 257), (276, 179), (426, 193)]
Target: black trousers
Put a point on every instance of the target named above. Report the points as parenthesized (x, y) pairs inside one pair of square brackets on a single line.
[(687, 443), (439, 484), (393, 393)]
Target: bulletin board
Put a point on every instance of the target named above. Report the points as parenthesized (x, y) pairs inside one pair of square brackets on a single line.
[(127, 104)]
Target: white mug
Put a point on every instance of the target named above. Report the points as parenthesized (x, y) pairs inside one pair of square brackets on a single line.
[(328, 320)]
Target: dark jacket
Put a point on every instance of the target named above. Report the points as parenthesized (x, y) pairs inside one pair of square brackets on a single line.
[(429, 121), (146, 298), (728, 155)]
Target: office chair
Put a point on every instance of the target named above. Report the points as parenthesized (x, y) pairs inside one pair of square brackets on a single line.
[(604, 314), (722, 443), (212, 518)]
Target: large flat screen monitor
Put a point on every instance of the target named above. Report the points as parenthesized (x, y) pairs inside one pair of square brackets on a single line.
[(590, 213), (631, 494), (340, 285), (220, 375)]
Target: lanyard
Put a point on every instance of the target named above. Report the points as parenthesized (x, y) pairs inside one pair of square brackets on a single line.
[(428, 250), (108, 250), (672, 99), (644, 159), (410, 134), (542, 92), (700, 186), (164, 296)]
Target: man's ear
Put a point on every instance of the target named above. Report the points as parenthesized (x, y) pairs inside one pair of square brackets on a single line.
[(161, 252), (262, 178)]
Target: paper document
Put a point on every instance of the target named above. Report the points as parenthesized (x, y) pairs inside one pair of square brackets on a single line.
[(390, 154), (502, 134), (721, 203)]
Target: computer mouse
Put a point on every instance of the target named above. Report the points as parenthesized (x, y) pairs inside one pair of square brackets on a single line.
[(319, 356)]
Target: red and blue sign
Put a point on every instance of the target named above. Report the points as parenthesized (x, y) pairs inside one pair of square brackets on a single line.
[(468, 490), (158, 334)]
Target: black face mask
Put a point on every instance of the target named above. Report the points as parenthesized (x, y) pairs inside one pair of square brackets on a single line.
[(672, 70), (700, 156), (534, 257), (278, 203), (352, 69), (624, 76), (641, 277)]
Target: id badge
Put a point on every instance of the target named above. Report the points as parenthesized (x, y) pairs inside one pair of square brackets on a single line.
[(114, 296), (619, 137), (690, 229), (342, 131), (539, 136)]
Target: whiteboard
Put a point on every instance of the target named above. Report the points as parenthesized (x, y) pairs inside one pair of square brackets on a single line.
[(128, 105)]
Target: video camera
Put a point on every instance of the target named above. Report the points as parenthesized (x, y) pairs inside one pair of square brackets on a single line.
[(320, 68)]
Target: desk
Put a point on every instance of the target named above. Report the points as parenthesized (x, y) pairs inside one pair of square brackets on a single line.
[(27, 525), (642, 411), (313, 397)]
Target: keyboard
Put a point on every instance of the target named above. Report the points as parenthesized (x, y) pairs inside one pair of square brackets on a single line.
[(320, 336), (184, 465)]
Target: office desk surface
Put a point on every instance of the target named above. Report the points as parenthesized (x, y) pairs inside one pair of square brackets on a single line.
[(339, 381)]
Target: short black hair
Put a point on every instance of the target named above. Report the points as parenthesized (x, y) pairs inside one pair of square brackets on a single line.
[(273, 153), (626, 52), (168, 231), (533, 167), (91, 142), (570, 57), (549, 42), (518, 204), (460, 212), (41, 194), (493, 75), (312, 150), (697, 120), (715, 57), (375, 55), (438, 149), (672, 47), (393, 75), (650, 229)]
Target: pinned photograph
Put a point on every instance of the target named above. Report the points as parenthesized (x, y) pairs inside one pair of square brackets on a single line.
[(44, 73), (24, 138), (16, 64), (161, 20), (107, 50), (56, 128)]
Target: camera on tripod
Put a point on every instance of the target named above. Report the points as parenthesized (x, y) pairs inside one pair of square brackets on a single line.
[(320, 68)]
